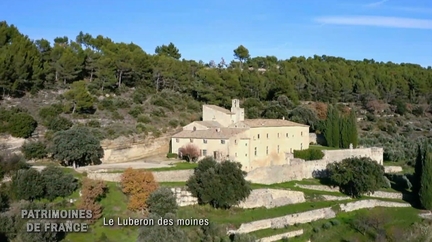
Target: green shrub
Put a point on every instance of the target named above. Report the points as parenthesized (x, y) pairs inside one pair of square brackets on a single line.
[(309, 154), (162, 201), (94, 124), (136, 111), (59, 123), (335, 222), (34, 150), (121, 103), (106, 104), (326, 225), (161, 102), (316, 230), (139, 96), (116, 116), (21, 125), (158, 112), (174, 123), (20, 184), (194, 106), (51, 111), (57, 183), (142, 118), (9, 163), (141, 128), (172, 155)]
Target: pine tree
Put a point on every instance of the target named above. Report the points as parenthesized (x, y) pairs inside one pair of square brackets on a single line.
[(425, 194)]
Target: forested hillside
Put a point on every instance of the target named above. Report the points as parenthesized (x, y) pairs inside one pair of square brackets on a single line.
[(93, 77)]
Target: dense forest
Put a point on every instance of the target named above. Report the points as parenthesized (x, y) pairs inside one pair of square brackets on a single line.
[(150, 93), (31, 65)]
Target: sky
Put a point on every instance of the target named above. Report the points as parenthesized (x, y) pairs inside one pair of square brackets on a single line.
[(388, 30)]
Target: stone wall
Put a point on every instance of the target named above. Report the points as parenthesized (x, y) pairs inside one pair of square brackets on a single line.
[(393, 169), (160, 176), (184, 197), (297, 169), (313, 215), (271, 198), (374, 153), (281, 222), (352, 206), (281, 236)]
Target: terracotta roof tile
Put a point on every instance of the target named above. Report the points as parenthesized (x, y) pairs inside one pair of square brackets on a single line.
[(217, 108), (253, 123), (224, 133)]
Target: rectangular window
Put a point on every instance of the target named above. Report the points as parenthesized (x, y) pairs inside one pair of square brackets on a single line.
[(204, 152), (235, 154), (256, 152), (235, 141), (258, 136), (204, 141), (222, 141), (278, 149), (287, 135), (301, 134), (278, 135), (191, 140), (267, 150), (267, 136), (177, 140)]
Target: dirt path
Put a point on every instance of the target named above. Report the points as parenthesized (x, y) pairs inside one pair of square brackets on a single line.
[(122, 166)]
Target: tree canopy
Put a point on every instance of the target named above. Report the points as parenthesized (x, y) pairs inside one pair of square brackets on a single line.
[(356, 176), (30, 65), (221, 185), (76, 146)]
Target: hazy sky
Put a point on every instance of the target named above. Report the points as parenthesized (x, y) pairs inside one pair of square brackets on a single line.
[(392, 30)]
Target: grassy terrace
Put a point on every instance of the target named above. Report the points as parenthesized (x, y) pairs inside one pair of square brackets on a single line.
[(320, 147)]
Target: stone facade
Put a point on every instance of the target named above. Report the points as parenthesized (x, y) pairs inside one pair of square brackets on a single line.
[(225, 134)]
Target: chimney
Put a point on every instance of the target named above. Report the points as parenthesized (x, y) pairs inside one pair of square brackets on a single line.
[(283, 118)]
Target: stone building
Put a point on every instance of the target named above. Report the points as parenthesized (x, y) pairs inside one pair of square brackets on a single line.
[(226, 134)]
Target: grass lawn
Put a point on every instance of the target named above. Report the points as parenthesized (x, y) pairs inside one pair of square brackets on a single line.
[(114, 205), (177, 166), (320, 147)]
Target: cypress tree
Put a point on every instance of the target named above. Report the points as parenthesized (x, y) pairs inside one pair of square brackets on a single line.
[(418, 170), (328, 128), (335, 128), (425, 194), (344, 127), (353, 132)]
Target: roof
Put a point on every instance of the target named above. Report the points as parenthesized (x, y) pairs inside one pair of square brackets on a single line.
[(253, 123), (224, 133), (209, 124), (220, 109)]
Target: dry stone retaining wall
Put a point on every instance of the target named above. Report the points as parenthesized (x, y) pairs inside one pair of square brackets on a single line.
[(271, 198), (184, 197), (313, 215), (378, 194), (393, 169), (281, 236), (352, 206)]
